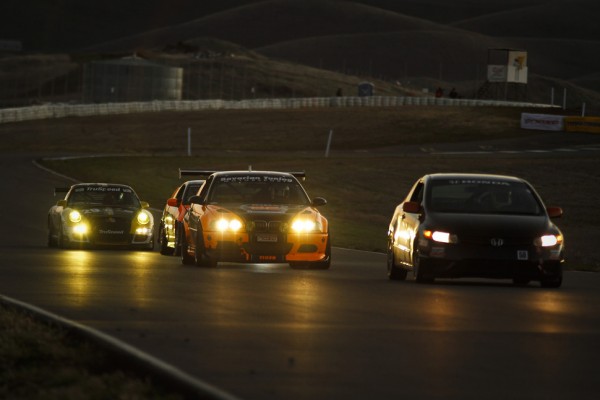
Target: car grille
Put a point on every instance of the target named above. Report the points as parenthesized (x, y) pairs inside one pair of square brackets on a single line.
[(266, 226), (485, 241), (111, 230)]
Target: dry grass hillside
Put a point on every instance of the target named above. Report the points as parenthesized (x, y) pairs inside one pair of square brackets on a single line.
[(444, 43)]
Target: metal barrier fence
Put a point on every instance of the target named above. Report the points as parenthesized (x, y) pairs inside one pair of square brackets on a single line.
[(85, 110)]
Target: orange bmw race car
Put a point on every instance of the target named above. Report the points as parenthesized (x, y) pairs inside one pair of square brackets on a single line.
[(255, 217)]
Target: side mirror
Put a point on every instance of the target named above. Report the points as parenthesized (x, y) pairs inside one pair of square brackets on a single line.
[(61, 203), (318, 201), (554, 212), (144, 204), (173, 202), (412, 207)]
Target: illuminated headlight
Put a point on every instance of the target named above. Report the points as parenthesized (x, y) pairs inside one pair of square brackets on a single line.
[(305, 226), (143, 218), (440, 236), (233, 225), (548, 240), (142, 231), (75, 216), (80, 229)]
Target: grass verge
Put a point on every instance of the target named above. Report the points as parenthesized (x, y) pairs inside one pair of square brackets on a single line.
[(41, 361)]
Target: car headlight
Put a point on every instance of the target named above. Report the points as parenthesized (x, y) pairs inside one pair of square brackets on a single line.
[(80, 228), (75, 216), (143, 218), (224, 224), (440, 236), (548, 240), (305, 225)]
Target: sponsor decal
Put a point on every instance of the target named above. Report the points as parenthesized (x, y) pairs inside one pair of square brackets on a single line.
[(497, 242), (522, 255), (258, 208), (110, 232), (254, 178), (437, 252)]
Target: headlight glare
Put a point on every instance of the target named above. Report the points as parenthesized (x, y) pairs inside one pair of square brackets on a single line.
[(548, 240), (304, 226), (233, 225), (440, 236), (80, 229), (75, 216), (143, 218)]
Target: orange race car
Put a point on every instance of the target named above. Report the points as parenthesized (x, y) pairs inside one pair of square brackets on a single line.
[(255, 217)]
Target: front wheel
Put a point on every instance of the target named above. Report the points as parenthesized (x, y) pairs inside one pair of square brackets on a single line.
[(421, 270), (200, 257), (62, 240), (186, 259), (394, 272), (165, 250)]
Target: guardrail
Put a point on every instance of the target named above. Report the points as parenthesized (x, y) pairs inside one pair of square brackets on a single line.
[(48, 111)]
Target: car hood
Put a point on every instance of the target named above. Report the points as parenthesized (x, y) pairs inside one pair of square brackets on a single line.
[(97, 211), (489, 224), (268, 211)]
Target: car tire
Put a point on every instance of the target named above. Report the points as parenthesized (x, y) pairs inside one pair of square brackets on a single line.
[(61, 240), (186, 259), (554, 281), (165, 250), (51, 235), (393, 271), (200, 257), (421, 269), (177, 249)]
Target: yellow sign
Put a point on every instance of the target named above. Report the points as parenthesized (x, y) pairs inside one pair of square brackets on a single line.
[(582, 124)]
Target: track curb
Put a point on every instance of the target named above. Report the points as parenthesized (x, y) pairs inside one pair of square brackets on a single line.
[(126, 355)]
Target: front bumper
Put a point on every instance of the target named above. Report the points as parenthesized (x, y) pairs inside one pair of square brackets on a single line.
[(266, 247), (107, 237), (526, 262)]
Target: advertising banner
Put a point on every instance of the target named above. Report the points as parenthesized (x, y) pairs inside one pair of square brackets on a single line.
[(542, 122), (582, 124)]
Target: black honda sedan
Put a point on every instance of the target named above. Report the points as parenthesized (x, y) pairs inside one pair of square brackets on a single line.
[(475, 225)]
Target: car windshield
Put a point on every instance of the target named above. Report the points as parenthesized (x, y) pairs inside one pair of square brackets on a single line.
[(481, 196), (257, 189), (113, 196)]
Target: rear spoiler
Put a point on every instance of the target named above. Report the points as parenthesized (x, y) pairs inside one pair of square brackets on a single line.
[(195, 172), (204, 172), (61, 190)]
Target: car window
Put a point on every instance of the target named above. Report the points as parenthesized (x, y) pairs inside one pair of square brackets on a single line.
[(191, 190), (114, 196), (417, 193), (257, 190), (482, 196)]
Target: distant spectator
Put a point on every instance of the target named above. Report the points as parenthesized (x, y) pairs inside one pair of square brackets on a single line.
[(453, 94), (439, 92), (338, 93)]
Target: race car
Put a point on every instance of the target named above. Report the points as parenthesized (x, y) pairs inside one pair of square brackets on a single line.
[(169, 230), (100, 214), (255, 217), (475, 225)]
